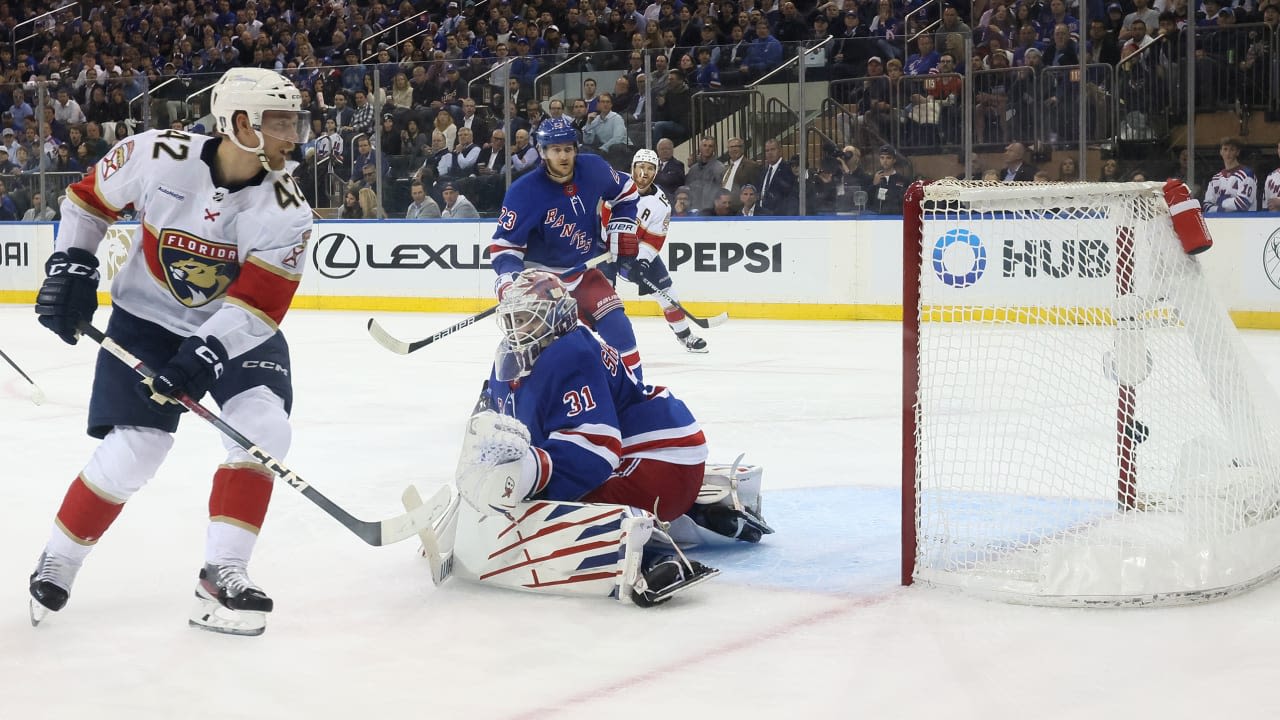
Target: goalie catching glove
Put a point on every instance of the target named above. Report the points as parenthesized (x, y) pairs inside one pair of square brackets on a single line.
[(498, 469)]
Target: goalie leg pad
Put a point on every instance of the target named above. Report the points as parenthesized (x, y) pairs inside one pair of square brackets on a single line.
[(557, 548), (728, 506)]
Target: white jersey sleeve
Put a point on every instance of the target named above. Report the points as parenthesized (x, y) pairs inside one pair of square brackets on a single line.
[(1272, 190), (653, 218), (98, 199), (208, 259)]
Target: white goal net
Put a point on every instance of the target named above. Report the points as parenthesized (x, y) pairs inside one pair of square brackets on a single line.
[(1082, 424)]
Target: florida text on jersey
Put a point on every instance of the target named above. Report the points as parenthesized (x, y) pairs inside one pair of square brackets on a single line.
[(200, 246), (548, 224)]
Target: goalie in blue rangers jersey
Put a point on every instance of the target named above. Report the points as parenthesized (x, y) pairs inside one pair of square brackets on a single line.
[(218, 257), (552, 219), (578, 478), (653, 217)]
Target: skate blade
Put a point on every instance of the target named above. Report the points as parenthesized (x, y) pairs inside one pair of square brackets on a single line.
[(677, 589), (38, 612), (210, 615)]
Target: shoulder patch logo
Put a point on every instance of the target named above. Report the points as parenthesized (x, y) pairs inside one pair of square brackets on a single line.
[(197, 271), (116, 159)]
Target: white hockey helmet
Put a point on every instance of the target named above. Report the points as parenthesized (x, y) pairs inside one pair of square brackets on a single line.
[(535, 310), (645, 155), (272, 103)]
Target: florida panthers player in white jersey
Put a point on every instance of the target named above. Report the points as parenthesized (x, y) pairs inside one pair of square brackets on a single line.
[(653, 217), (211, 273), (1234, 188)]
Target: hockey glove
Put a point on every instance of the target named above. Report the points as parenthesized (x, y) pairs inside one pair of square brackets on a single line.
[(69, 293), (495, 470), (191, 372), (503, 282), (634, 268)]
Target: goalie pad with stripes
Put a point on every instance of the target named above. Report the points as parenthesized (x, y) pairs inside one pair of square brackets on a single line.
[(559, 548)]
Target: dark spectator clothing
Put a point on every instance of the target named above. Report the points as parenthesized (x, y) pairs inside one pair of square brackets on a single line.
[(670, 176)]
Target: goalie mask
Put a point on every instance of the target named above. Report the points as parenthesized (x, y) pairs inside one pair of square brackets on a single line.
[(535, 310)]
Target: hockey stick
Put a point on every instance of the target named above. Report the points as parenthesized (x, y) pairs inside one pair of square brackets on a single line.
[(385, 532), (37, 395), (707, 323), (444, 508), (404, 347)]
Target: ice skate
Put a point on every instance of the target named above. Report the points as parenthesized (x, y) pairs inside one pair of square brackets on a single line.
[(666, 576), (51, 585), (228, 602), (691, 342)]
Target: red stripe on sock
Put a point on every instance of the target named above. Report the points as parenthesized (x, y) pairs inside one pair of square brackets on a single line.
[(86, 514), (673, 315), (241, 494)]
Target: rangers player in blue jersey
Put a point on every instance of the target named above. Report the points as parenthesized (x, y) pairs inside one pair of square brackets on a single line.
[(552, 220), (576, 478), (595, 433)]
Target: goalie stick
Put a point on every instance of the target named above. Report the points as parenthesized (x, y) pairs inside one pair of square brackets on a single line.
[(385, 532), (700, 322), (443, 506), (37, 395), (404, 347)]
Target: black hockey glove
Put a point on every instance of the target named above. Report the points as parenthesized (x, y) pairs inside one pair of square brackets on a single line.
[(633, 268), (191, 372), (69, 293)]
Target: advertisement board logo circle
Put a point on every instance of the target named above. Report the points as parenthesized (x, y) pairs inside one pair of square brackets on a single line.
[(1271, 258), (336, 255), (959, 258)]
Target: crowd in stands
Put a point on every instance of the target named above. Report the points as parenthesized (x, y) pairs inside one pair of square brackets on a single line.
[(420, 127)]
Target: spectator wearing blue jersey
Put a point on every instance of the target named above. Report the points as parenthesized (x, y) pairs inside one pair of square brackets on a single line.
[(707, 75), (763, 54), (524, 68), (925, 59)]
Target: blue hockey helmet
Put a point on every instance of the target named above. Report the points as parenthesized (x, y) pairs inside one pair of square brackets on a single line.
[(556, 131)]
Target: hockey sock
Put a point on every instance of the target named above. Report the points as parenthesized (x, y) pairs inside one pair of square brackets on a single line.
[(676, 319), (240, 496), (616, 330), (85, 514)]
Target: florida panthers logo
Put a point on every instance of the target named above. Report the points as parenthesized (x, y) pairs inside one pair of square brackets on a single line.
[(197, 271)]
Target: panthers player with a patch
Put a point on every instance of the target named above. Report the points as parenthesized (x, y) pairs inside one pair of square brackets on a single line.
[(211, 273), (653, 218)]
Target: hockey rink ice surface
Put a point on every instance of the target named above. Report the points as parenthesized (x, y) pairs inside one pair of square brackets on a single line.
[(809, 624)]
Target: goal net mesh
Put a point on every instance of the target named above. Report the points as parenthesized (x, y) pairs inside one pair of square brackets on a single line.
[(1088, 427)]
